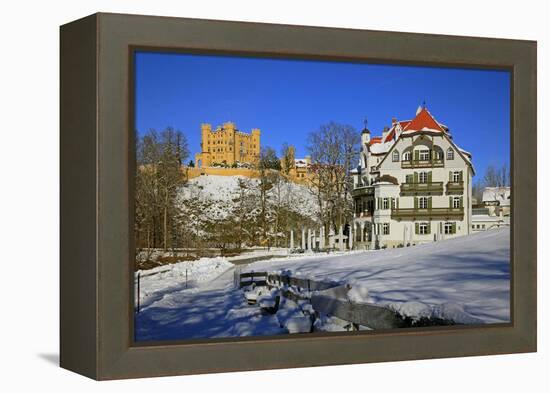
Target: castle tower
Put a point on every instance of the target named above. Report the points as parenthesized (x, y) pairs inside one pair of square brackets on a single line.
[(255, 148)]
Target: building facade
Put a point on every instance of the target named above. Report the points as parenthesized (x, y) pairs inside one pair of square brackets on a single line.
[(299, 168), (227, 146), (494, 211), (413, 185)]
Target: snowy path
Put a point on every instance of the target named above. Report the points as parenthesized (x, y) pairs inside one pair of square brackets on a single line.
[(472, 272), (210, 309)]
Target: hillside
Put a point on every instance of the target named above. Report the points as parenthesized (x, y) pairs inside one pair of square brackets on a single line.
[(209, 202)]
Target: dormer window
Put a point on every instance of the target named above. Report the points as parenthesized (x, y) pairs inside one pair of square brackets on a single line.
[(395, 156), (450, 154)]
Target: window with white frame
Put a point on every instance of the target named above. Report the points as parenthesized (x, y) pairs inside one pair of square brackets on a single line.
[(386, 228), (448, 227), (423, 228), (407, 156), (385, 203), (456, 202), (424, 155), (450, 154), (423, 177), (395, 156), (456, 176), (423, 203)]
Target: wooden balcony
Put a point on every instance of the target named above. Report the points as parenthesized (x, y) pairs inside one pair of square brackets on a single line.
[(435, 163), (363, 191), (447, 213), (455, 187), (432, 188)]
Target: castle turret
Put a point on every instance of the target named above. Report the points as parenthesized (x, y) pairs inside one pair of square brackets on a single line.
[(365, 135)]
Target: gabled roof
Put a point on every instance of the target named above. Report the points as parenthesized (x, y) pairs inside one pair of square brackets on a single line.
[(424, 120)]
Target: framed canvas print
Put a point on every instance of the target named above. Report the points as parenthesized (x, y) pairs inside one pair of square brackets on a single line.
[(240, 196)]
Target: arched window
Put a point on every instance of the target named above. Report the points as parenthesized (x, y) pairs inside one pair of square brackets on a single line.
[(450, 154), (407, 156), (438, 153), (395, 156)]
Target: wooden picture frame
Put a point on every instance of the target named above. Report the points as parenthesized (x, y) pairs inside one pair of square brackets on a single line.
[(96, 194)]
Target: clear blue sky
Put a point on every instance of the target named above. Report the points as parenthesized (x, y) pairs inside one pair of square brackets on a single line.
[(287, 99)]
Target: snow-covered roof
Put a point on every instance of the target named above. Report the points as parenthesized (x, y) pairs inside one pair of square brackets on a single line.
[(485, 218), (301, 162), (380, 148), (497, 194)]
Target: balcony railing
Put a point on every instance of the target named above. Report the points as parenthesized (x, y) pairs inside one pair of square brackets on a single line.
[(433, 188), (435, 163), (362, 191), (434, 212), (455, 187)]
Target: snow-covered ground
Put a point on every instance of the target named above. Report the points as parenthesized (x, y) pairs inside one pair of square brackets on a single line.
[(466, 277), (208, 306)]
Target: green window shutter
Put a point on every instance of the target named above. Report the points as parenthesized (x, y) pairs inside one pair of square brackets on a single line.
[(416, 228), (450, 176), (416, 177), (408, 179), (429, 176), (461, 202), (461, 179), (417, 155), (415, 203), (453, 230), (429, 228), (429, 202), (389, 228), (397, 203), (451, 202)]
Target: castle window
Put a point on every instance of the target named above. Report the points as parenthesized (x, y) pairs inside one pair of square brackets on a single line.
[(385, 203), (450, 154), (407, 156), (395, 156), (448, 228), (386, 228)]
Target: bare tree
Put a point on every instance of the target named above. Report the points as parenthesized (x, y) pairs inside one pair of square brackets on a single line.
[(333, 149), (496, 177), (287, 153), (158, 177)]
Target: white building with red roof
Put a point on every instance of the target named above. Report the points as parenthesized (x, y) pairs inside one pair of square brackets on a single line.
[(413, 185)]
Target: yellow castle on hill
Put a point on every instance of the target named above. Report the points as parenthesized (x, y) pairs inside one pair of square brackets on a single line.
[(226, 145)]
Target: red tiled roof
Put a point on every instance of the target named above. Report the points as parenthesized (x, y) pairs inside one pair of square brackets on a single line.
[(376, 139), (423, 120)]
